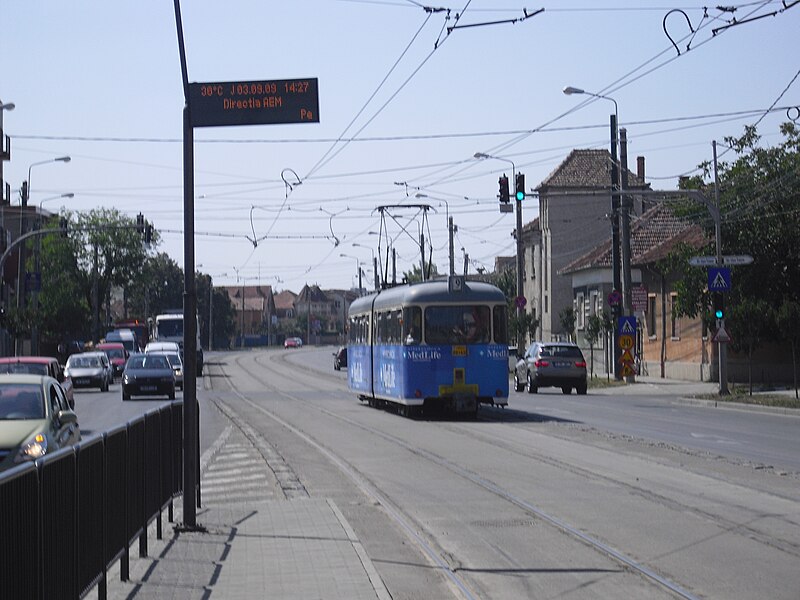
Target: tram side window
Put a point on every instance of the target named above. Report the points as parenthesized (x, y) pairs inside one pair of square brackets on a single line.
[(500, 325), (412, 325)]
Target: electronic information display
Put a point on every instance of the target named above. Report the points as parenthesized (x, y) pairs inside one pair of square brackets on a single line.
[(254, 102)]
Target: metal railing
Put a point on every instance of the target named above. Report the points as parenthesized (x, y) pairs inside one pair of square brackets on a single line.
[(65, 519)]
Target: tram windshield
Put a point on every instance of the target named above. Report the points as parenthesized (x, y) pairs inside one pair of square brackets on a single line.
[(460, 324)]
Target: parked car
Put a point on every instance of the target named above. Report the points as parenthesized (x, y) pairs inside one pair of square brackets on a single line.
[(90, 369), (40, 365), (340, 358), (293, 342), (35, 418), (148, 374), (174, 360), (117, 354), (551, 364)]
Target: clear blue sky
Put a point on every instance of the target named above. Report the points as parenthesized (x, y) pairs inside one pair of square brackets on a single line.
[(101, 82)]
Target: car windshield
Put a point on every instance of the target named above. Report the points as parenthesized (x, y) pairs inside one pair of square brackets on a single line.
[(19, 401), (82, 362), (20, 367), (148, 361), (170, 327), (115, 353)]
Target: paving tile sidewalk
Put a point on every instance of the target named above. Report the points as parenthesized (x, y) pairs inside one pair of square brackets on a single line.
[(298, 548)]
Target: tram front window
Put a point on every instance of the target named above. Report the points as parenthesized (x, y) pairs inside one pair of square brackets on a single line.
[(465, 324)]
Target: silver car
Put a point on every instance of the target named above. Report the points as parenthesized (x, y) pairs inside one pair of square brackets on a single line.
[(90, 369), (551, 364)]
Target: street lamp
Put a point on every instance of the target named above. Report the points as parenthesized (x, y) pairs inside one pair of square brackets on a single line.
[(374, 264), (358, 268), (520, 299), (68, 195), (620, 226), (26, 192)]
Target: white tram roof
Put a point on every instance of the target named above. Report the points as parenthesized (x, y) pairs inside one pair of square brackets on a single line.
[(429, 292)]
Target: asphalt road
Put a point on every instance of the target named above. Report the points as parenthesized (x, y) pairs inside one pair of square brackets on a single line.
[(602, 496)]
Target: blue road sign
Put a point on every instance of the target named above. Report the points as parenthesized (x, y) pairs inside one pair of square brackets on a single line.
[(626, 325), (719, 279)]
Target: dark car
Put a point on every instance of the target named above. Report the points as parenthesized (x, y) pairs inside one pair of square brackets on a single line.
[(35, 418), (340, 358), (551, 364), (148, 375)]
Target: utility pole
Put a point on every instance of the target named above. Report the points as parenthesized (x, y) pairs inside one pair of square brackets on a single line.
[(450, 233), (722, 346), (625, 230), (615, 258)]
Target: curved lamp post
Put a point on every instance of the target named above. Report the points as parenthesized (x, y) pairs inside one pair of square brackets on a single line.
[(26, 192)]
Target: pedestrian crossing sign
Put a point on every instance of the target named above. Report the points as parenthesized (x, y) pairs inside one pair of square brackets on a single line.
[(626, 325), (719, 279)]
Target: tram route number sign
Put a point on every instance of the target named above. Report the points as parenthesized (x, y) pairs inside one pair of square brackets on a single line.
[(271, 102)]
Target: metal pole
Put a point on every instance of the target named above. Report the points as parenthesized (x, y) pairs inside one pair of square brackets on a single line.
[(210, 315), (723, 347), (520, 250), (190, 409), (615, 257), (625, 230), (450, 233)]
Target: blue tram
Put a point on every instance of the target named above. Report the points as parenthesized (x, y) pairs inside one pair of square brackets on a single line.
[(430, 346)]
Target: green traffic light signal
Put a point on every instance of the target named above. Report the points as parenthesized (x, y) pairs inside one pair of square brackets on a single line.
[(520, 187), (719, 305)]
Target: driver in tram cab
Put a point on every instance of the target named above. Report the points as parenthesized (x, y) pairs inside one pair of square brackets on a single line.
[(476, 328), (414, 336)]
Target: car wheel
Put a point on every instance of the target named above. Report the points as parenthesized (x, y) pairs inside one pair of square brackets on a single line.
[(518, 385), (172, 394), (581, 389), (566, 389), (532, 388), (125, 396)]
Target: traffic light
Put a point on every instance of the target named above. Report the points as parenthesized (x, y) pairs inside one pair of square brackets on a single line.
[(718, 300), (148, 233), (520, 187), (504, 194), (140, 223), (63, 224)]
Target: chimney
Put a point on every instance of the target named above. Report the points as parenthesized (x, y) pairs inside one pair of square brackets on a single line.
[(640, 176)]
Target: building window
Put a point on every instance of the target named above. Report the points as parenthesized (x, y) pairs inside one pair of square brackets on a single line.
[(651, 316), (546, 308), (674, 328)]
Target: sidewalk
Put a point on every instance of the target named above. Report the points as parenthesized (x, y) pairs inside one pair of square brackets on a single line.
[(301, 548), (262, 537)]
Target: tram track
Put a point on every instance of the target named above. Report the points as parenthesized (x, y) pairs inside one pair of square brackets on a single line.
[(407, 522)]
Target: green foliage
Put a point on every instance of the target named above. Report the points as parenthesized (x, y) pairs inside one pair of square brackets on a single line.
[(415, 274), (567, 318)]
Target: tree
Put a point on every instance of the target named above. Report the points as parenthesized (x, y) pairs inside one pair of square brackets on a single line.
[(415, 274), (788, 321), (750, 322), (158, 286), (568, 318), (594, 329)]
